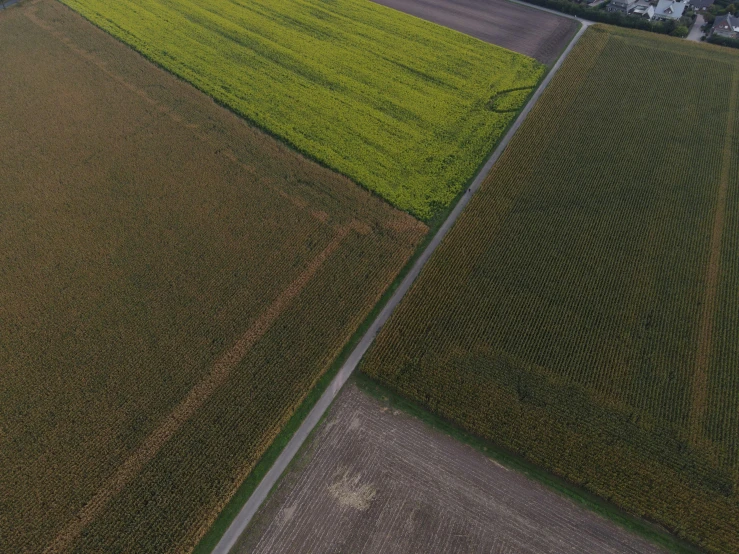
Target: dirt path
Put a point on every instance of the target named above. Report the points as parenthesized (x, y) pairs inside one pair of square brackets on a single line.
[(246, 513), (708, 316), (521, 28)]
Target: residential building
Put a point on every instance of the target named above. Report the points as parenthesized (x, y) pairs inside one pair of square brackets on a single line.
[(623, 6), (726, 26), (642, 8), (700, 5), (669, 10)]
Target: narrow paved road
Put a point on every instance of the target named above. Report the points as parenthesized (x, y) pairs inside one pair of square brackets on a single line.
[(695, 33), (260, 493)]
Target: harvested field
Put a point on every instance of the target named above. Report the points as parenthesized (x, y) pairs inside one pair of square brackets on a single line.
[(172, 284), (398, 104), (529, 31), (376, 480), (583, 311)]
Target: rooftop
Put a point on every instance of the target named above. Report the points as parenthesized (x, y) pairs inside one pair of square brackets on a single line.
[(670, 9)]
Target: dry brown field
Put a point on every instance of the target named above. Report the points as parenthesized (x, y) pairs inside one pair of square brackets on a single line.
[(172, 284), (376, 480), (525, 30)]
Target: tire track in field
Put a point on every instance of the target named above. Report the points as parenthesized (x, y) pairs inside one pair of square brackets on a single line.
[(172, 423), (708, 316)]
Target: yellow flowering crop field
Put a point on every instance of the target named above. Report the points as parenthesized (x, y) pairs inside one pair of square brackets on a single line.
[(400, 105)]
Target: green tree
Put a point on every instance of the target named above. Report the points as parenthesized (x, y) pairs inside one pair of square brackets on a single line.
[(680, 31)]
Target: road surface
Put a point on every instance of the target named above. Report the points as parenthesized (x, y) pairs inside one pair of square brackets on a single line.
[(696, 33)]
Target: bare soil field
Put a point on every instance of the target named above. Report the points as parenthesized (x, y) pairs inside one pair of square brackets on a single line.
[(529, 31), (377, 480), (172, 284)]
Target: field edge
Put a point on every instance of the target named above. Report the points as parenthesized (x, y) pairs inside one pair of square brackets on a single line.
[(435, 213)]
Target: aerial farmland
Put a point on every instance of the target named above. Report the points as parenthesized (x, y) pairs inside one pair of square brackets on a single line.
[(527, 30), (380, 480), (519, 227), (176, 281), (398, 104), (583, 311), (173, 283)]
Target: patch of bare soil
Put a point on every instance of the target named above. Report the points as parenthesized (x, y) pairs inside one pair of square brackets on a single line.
[(528, 31), (379, 481)]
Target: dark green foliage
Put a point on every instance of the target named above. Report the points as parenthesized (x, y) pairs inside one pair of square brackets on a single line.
[(602, 16)]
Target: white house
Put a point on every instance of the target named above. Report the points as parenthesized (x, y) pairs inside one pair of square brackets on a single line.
[(642, 8), (669, 10)]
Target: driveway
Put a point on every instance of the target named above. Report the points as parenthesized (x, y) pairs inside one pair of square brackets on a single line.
[(695, 33)]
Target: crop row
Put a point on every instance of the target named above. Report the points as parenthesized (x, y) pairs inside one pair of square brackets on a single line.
[(173, 282)]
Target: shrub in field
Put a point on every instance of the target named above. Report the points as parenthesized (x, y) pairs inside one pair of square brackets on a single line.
[(584, 309), (396, 103)]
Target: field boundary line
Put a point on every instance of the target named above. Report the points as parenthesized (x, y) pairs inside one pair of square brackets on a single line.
[(173, 422), (260, 493), (708, 315)]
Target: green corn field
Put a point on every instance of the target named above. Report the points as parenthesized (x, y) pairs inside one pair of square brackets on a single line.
[(584, 311)]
